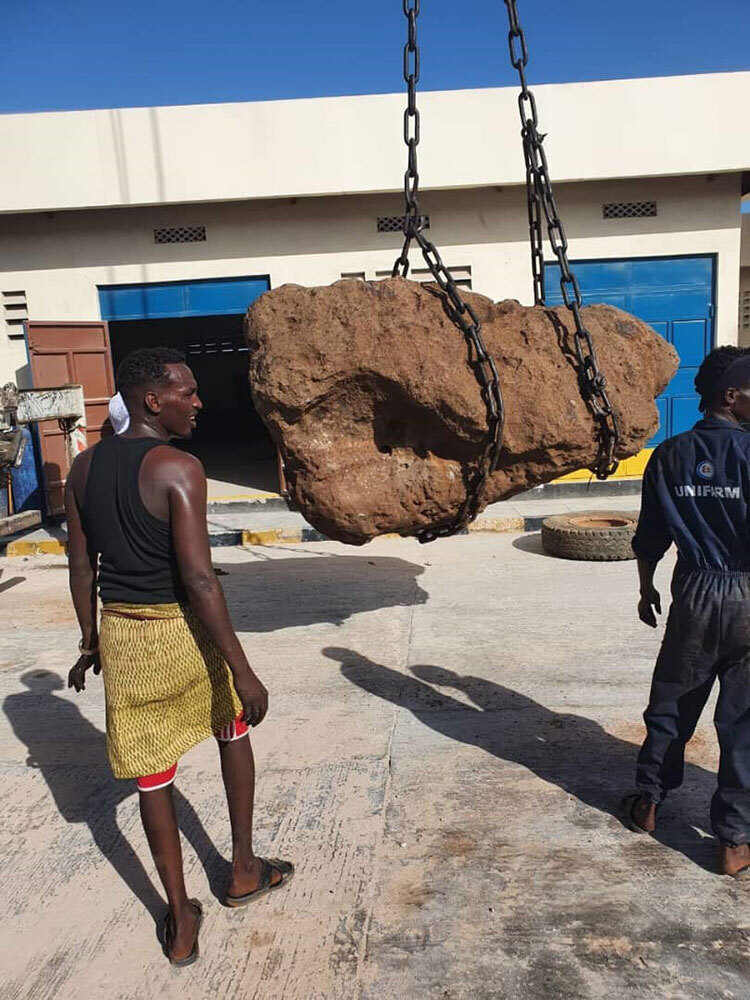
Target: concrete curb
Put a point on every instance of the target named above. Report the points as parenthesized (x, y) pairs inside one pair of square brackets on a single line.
[(22, 547), (265, 503), (44, 547), (260, 505)]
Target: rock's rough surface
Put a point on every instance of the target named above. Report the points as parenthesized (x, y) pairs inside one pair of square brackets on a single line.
[(366, 388)]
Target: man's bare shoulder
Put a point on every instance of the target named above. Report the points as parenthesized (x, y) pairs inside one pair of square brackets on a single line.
[(171, 466)]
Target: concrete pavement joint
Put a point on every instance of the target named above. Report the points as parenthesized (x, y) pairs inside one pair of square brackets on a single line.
[(377, 852)]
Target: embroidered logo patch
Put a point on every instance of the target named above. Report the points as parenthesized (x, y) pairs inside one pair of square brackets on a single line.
[(705, 470)]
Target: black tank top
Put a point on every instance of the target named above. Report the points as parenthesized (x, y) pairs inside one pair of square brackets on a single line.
[(136, 559)]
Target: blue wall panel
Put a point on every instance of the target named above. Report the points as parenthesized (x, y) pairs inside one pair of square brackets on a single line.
[(167, 299), (675, 295)]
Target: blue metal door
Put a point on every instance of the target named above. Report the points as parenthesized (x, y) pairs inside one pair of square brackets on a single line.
[(674, 295)]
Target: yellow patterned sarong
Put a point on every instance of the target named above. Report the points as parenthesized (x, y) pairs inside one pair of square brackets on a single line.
[(167, 686)]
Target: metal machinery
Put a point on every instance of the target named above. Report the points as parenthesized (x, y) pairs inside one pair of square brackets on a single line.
[(20, 408)]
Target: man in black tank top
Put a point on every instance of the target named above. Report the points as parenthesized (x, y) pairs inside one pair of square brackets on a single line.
[(174, 671)]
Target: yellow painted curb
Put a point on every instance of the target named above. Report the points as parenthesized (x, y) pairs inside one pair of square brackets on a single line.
[(273, 536), (48, 547), (497, 524), (629, 468)]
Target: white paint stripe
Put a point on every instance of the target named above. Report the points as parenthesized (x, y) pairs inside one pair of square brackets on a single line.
[(152, 788), (237, 737)]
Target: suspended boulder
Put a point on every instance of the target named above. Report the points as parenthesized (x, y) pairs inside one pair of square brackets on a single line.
[(367, 389)]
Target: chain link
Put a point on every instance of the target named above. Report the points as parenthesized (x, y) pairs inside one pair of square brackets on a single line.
[(460, 312), (541, 202)]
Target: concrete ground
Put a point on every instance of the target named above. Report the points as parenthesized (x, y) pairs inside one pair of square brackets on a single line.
[(451, 727), (252, 481)]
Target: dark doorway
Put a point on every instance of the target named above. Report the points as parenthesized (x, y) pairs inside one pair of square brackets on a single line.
[(230, 439)]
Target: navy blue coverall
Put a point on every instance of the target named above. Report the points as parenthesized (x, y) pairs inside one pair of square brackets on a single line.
[(696, 493)]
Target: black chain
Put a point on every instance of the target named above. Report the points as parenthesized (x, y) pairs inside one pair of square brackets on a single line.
[(460, 312), (541, 201)]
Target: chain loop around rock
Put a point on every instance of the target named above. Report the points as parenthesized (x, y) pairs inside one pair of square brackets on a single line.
[(541, 204), (460, 312)]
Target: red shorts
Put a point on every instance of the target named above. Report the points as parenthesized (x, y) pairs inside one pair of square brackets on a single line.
[(234, 730)]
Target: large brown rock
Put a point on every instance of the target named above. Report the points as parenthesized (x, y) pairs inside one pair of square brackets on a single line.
[(366, 388)]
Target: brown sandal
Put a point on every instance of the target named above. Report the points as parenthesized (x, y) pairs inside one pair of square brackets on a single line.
[(167, 933), (267, 867)]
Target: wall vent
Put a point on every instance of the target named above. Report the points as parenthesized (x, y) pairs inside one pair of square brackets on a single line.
[(395, 223), (15, 313), (180, 234), (745, 311), (353, 274), (461, 275), (629, 210)]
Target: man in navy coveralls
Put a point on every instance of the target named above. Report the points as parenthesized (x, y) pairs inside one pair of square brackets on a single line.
[(696, 493)]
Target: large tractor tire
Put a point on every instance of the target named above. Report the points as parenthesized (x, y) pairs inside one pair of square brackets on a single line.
[(599, 536)]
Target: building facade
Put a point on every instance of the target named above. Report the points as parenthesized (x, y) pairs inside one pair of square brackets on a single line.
[(166, 222)]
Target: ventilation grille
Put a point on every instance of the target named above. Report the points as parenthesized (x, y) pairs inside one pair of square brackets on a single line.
[(461, 275), (180, 234), (395, 223), (15, 312), (235, 345), (745, 311), (629, 210), (360, 275)]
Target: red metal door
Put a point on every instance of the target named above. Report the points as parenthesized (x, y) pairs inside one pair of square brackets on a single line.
[(65, 354)]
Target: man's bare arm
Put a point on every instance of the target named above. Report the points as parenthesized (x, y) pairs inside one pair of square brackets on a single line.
[(187, 513), (82, 568)]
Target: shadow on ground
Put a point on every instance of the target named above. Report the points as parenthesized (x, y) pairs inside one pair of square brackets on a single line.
[(531, 542), (71, 753), (570, 751), (275, 593)]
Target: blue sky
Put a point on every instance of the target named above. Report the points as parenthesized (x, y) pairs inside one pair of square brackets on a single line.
[(62, 54)]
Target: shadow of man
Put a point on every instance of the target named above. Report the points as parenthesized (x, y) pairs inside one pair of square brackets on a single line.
[(71, 753), (570, 751)]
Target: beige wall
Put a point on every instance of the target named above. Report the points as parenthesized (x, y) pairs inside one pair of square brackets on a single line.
[(618, 128), (59, 259)]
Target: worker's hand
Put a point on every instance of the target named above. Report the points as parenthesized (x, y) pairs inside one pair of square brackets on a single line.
[(77, 675), (253, 696), (650, 601)]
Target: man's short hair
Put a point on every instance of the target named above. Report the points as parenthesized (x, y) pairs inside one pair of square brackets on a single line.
[(147, 367), (709, 382)]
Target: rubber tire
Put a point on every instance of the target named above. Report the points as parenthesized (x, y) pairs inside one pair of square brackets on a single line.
[(564, 536)]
